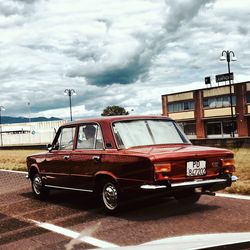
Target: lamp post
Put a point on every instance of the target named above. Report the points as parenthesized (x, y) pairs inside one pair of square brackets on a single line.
[(226, 55), (28, 103), (1, 109), (70, 92)]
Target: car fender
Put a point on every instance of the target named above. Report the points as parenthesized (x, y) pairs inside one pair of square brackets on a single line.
[(33, 168), (106, 173)]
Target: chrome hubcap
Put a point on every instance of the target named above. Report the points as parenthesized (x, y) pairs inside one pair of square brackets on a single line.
[(37, 185), (109, 195)]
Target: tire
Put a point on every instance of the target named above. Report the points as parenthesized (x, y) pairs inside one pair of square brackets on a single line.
[(38, 188), (110, 196), (187, 196)]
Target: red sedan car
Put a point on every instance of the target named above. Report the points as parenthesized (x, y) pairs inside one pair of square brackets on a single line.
[(112, 155)]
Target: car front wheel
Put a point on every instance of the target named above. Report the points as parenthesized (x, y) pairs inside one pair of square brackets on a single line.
[(38, 188), (110, 196)]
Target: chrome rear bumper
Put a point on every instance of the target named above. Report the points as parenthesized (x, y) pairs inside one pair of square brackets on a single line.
[(195, 183)]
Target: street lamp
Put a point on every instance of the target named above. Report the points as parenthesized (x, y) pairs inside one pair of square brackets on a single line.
[(28, 103), (70, 92), (1, 109), (226, 55)]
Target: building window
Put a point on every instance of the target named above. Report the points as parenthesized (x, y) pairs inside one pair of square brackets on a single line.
[(219, 129), (248, 97), (218, 102), (180, 106), (189, 129)]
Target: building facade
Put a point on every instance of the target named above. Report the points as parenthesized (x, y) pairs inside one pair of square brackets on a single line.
[(206, 113), (31, 133)]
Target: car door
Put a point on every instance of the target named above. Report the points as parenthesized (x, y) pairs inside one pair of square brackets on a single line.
[(87, 156), (58, 160)]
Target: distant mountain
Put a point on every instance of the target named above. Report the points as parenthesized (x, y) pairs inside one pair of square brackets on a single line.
[(10, 119)]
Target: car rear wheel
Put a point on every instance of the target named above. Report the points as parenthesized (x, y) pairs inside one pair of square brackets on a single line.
[(110, 195), (38, 188), (187, 196)]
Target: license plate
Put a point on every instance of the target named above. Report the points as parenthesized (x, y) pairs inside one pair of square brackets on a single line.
[(196, 168)]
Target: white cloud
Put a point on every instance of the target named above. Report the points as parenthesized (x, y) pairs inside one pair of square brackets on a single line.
[(124, 53)]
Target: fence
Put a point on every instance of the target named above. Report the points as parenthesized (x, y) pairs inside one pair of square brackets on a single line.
[(238, 142)]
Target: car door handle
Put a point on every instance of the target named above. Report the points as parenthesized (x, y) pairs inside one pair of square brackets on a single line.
[(96, 158), (66, 157)]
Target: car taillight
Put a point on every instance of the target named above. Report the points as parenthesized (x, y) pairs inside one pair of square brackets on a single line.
[(161, 170), (227, 165)]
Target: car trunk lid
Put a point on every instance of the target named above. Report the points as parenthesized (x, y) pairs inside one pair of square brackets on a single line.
[(187, 161)]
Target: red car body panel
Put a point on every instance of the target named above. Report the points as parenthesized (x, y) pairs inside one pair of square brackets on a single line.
[(130, 168)]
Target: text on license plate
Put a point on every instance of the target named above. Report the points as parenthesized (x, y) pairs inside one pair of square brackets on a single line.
[(196, 168)]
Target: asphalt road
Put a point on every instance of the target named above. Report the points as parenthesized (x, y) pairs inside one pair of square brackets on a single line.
[(71, 220)]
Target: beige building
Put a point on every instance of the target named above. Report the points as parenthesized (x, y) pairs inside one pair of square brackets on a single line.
[(206, 113)]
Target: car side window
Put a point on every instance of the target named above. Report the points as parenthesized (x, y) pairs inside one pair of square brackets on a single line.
[(66, 139), (89, 137)]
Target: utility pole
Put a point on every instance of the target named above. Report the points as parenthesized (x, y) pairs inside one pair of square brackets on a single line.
[(70, 92)]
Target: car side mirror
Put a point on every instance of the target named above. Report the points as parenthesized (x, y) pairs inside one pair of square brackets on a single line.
[(53, 146), (49, 147)]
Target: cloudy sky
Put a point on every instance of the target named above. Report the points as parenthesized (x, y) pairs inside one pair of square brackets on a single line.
[(114, 52)]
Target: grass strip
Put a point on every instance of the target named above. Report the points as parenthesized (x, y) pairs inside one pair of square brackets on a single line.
[(16, 160)]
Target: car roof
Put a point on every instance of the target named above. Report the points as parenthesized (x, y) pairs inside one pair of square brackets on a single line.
[(109, 119)]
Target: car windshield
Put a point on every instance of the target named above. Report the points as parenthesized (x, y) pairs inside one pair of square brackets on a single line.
[(148, 132)]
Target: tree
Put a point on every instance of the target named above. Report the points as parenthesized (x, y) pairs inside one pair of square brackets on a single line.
[(114, 110)]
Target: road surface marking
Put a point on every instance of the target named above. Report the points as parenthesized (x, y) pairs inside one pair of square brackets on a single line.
[(75, 235), (14, 171), (198, 241), (234, 196)]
